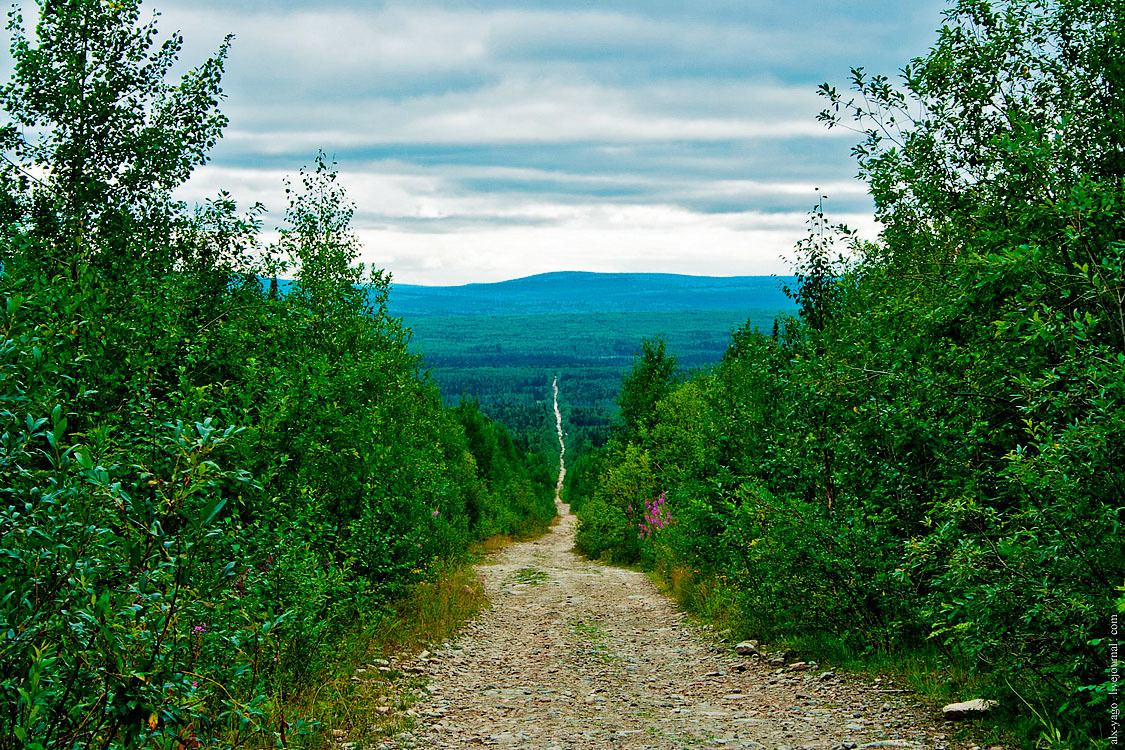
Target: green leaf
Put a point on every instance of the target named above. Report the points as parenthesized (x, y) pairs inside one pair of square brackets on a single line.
[(58, 430), (212, 509)]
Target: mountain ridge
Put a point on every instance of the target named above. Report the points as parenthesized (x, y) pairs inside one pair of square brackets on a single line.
[(592, 292)]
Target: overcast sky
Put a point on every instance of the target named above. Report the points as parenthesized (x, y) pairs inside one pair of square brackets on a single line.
[(490, 140)]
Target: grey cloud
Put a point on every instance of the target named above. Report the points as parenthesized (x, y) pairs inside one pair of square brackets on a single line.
[(614, 132)]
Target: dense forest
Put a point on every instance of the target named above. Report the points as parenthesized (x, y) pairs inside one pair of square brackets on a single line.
[(506, 362), (930, 456), (502, 343), (209, 484)]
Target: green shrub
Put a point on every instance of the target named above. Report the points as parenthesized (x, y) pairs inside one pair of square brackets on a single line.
[(205, 484), (605, 532)]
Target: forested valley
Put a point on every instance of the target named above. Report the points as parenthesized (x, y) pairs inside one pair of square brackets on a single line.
[(506, 362)]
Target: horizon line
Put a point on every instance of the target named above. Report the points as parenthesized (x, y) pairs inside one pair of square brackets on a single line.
[(591, 273)]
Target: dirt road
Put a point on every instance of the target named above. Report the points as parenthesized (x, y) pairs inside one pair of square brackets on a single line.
[(575, 654), (562, 442)]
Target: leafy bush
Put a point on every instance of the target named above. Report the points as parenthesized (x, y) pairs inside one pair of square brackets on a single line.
[(611, 520), (605, 532)]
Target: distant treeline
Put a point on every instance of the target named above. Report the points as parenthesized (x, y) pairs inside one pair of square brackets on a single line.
[(584, 293)]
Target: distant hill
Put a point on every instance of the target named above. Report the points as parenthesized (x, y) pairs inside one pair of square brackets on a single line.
[(574, 292)]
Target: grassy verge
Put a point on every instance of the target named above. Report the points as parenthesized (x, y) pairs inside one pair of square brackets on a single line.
[(482, 549), (367, 694)]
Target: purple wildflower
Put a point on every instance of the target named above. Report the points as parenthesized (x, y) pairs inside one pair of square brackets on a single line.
[(657, 516)]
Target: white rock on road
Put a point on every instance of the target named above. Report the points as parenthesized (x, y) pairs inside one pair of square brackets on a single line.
[(973, 709)]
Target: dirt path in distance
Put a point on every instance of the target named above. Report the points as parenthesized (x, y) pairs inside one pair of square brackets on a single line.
[(562, 442), (575, 654)]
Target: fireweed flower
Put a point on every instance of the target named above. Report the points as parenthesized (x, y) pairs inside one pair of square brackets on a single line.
[(657, 516)]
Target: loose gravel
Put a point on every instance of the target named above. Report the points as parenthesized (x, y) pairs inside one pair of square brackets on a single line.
[(576, 654)]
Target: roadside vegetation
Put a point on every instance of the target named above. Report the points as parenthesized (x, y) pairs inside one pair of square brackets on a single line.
[(213, 494), (926, 465)]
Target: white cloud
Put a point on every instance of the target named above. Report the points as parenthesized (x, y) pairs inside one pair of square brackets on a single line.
[(543, 110), (492, 237)]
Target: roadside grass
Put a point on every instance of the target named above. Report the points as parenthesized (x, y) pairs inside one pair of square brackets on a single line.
[(480, 551), (364, 696), (494, 543)]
